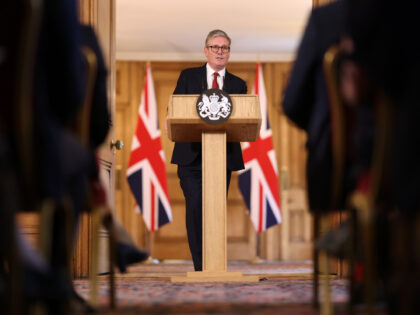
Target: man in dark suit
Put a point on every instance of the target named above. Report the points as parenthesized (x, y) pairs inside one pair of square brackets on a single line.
[(188, 154), (306, 101)]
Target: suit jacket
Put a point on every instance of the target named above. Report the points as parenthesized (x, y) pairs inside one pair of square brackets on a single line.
[(194, 81), (306, 100), (59, 83)]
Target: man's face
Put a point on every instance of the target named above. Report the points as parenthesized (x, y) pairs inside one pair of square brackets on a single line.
[(217, 60)]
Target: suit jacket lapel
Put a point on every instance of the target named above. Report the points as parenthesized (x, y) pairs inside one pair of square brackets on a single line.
[(203, 78)]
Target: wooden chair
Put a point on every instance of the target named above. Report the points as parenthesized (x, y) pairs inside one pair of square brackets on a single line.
[(365, 198), (10, 263), (96, 193), (339, 140), (361, 203), (24, 129), (322, 221), (22, 55)]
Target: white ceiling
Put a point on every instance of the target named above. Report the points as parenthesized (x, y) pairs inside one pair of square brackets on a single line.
[(175, 30)]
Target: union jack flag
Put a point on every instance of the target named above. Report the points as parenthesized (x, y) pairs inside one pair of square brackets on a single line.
[(258, 182), (146, 172)]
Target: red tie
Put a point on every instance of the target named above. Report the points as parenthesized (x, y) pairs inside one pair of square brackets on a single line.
[(215, 84)]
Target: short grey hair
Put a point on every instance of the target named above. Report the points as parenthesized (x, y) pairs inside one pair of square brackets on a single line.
[(216, 33)]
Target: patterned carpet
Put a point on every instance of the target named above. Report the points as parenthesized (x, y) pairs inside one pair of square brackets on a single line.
[(146, 289)]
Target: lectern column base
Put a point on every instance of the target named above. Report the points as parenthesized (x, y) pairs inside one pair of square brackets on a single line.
[(215, 276)]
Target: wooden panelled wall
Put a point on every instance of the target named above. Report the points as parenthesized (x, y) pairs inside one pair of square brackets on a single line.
[(291, 240)]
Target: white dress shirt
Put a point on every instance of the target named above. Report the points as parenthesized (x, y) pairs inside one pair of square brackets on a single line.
[(220, 78)]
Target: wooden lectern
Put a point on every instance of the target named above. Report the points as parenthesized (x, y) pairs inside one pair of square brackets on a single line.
[(184, 125)]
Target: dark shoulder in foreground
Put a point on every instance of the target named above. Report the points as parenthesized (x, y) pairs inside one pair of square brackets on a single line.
[(235, 84), (235, 78), (194, 70), (331, 14)]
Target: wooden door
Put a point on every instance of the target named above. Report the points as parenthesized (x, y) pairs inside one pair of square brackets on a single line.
[(292, 239), (297, 234)]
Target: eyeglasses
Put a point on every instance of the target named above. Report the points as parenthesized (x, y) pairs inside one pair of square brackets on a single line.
[(216, 48)]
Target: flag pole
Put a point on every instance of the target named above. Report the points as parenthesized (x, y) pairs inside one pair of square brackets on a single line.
[(150, 238), (257, 259), (150, 260), (149, 235)]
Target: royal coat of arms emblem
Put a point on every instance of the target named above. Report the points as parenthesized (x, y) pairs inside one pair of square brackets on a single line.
[(214, 106)]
